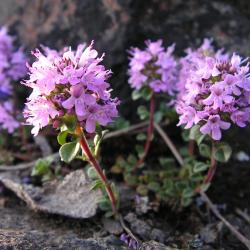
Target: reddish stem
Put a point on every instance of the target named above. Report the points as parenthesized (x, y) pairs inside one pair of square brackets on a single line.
[(212, 169), (96, 165), (191, 147), (150, 131)]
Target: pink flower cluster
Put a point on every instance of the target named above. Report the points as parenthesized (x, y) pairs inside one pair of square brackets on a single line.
[(12, 67), (154, 67), (214, 90), (69, 82)]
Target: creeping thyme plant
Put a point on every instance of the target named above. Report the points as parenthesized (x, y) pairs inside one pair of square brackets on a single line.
[(210, 91), (12, 68), (70, 92), (152, 72), (214, 96)]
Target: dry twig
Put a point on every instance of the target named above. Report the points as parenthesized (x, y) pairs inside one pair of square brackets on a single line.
[(244, 215), (30, 164), (125, 130), (169, 143), (213, 208)]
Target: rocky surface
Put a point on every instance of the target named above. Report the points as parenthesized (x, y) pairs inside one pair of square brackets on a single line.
[(72, 197)]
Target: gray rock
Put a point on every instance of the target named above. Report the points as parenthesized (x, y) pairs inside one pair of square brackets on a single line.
[(138, 226), (209, 233), (112, 226), (72, 197), (153, 245), (158, 235), (35, 240)]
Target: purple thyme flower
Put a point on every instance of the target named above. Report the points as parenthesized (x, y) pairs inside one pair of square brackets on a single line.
[(213, 90), (133, 244), (154, 67), (213, 127), (69, 82), (12, 67), (6, 119)]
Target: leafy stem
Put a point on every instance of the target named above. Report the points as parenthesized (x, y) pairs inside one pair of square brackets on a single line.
[(212, 168), (150, 131), (92, 160)]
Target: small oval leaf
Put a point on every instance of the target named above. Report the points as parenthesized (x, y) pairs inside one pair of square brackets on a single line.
[(222, 152), (69, 151), (200, 167), (62, 136)]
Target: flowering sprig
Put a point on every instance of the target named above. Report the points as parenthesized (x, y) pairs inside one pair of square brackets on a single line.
[(12, 67), (153, 67), (70, 92), (70, 83), (151, 71), (215, 93)]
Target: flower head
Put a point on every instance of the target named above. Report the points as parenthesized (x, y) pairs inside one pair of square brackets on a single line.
[(69, 83), (213, 90), (154, 67), (12, 67)]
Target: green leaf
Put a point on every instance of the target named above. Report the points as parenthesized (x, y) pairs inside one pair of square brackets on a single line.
[(194, 131), (146, 93), (180, 185), (97, 139), (70, 122), (200, 167), (185, 135), (140, 150), (109, 214), (142, 112), (205, 187), (186, 201), (187, 192), (168, 185), (142, 190), (69, 151), (184, 152), (166, 161), (91, 172), (154, 186), (222, 152), (104, 204), (132, 159), (205, 150), (47, 177), (42, 167), (158, 117), (136, 94), (130, 179), (62, 136), (97, 184), (141, 137), (196, 135)]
